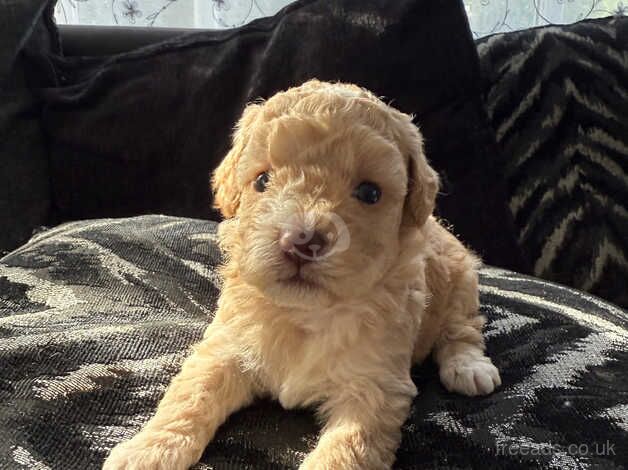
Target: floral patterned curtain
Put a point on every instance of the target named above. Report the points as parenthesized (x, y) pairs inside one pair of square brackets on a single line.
[(166, 13), (485, 16), (496, 16)]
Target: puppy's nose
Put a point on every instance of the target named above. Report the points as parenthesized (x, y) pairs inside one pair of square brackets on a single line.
[(302, 246)]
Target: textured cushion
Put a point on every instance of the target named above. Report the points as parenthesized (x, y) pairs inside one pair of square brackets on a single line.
[(558, 100), (96, 316), (140, 132), (25, 28)]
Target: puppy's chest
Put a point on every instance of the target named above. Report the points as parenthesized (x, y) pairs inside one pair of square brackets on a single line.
[(301, 364), (302, 370), (311, 369), (298, 376)]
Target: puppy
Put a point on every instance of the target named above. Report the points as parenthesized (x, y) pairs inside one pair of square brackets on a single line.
[(337, 280)]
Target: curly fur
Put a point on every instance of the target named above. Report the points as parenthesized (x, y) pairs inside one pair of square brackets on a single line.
[(343, 337)]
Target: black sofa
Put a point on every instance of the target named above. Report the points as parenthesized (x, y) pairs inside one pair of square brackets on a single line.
[(102, 127)]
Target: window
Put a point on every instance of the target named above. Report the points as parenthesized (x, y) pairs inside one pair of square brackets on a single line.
[(209, 14), (485, 16)]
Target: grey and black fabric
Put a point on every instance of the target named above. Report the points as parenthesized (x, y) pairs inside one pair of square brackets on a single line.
[(557, 97), (96, 316), (26, 29)]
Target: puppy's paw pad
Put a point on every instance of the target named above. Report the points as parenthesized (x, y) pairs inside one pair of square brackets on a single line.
[(470, 375)]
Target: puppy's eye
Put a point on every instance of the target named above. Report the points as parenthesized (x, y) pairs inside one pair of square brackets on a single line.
[(261, 181), (367, 192)]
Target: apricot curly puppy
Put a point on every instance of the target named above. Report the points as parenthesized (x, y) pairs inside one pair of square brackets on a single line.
[(338, 279)]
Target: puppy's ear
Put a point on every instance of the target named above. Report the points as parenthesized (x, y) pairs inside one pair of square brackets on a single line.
[(227, 191), (423, 182)]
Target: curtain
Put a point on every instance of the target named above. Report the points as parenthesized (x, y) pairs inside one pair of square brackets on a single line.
[(485, 16), (166, 13), (496, 16)]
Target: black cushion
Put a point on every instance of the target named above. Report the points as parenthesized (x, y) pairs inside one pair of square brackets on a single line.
[(96, 316), (140, 132), (25, 29), (558, 99)]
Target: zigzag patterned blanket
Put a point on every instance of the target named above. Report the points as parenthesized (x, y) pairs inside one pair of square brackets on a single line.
[(558, 99), (96, 316)]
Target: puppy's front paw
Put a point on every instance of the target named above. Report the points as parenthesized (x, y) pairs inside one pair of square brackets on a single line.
[(319, 461), (150, 452), (470, 375)]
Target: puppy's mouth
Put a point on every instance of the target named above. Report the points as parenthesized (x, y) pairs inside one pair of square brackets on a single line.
[(300, 281)]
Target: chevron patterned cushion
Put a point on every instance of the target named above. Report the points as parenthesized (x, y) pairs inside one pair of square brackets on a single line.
[(558, 101), (96, 316)]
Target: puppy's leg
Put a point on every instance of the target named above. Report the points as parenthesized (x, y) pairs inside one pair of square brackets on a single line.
[(209, 388), (464, 368), (361, 433), (459, 349)]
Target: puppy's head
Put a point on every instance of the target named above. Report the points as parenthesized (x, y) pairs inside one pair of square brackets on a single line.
[(319, 184)]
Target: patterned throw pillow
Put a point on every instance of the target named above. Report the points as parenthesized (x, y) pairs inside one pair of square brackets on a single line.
[(140, 132), (558, 101), (96, 316)]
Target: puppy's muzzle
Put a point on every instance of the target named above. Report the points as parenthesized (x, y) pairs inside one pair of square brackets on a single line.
[(302, 246), (312, 237)]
